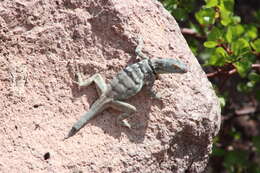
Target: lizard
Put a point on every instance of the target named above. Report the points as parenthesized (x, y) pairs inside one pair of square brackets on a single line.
[(127, 83)]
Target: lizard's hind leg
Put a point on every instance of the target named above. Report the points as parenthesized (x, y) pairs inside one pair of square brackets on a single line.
[(96, 78), (126, 108)]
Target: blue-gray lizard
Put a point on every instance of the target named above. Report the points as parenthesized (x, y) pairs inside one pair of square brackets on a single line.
[(127, 83)]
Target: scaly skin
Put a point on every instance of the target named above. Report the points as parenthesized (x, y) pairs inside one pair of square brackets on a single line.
[(127, 83)]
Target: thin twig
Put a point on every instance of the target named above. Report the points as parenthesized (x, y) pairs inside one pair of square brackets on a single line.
[(229, 72), (187, 31)]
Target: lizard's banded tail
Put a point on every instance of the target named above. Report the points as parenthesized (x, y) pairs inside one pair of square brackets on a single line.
[(96, 108)]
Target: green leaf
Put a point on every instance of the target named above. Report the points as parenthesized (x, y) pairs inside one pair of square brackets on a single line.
[(251, 31), (236, 19), (240, 47), (210, 44), (238, 30), (233, 32), (243, 67), (226, 11), (227, 4), (256, 45), (215, 34), (218, 57), (229, 35), (225, 17), (221, 52), (222, 101), (211, 3), (254, 77), (206, 16)]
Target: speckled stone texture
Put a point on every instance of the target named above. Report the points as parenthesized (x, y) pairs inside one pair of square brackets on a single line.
[(41, 41)]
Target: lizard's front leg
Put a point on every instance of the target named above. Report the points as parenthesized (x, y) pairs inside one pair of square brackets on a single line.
[(156, 95), (149, 86), (96, 78), (138, 49), (128, 110)]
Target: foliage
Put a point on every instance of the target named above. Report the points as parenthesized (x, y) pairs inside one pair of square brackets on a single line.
[(228, 46)]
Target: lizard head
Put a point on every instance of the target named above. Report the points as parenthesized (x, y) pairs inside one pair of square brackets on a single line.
[(168, 65)]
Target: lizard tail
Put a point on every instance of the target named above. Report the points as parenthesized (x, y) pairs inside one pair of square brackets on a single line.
[(96, 108)]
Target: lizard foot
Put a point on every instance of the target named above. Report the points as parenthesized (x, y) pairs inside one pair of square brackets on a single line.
[(121, 120)]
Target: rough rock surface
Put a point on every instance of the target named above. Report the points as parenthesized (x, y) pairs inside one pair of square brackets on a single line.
[(40, 43)]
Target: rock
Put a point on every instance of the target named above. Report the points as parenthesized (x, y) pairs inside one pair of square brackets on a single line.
[(41, 41)]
